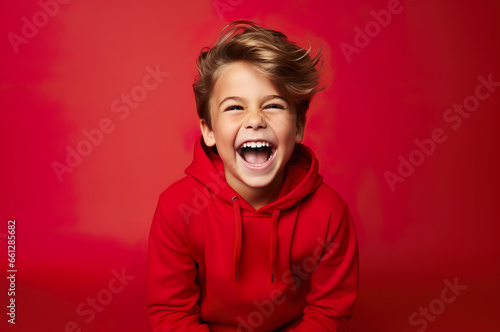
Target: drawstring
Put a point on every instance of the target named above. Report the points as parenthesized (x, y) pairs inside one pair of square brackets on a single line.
[(238, 225), (237, 234), (274, 241)]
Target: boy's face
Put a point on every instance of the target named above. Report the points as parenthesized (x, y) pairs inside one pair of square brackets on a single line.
[(253, 127)]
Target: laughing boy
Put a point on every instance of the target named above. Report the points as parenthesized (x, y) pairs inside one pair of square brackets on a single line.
[(251, 239)]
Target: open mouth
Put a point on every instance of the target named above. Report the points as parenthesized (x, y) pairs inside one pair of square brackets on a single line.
[(257, 153)]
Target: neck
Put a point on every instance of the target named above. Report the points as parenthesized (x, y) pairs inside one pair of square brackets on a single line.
[(259, 197)]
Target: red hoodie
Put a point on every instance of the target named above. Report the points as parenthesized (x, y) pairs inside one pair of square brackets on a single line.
[(217, 264)]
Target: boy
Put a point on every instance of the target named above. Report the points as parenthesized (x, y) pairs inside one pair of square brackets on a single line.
[(252, 239)]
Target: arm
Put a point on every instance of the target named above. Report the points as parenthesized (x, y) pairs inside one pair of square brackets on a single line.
[(173, 293), (334, 282)]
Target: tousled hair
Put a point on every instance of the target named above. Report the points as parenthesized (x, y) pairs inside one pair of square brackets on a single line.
[(287, 65)]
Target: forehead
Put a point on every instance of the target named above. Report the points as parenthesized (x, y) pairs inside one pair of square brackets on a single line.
[(243, 80)]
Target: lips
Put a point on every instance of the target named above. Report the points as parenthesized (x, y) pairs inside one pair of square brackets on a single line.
[(256, 153)]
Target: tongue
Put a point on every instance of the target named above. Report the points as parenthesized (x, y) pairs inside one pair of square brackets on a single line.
[(255, 156)]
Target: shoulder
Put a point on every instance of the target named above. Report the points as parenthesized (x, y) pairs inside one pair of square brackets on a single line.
[(329, 198), (334, 209), (180, 203), (178, 193), (327, 205), (179, 186)]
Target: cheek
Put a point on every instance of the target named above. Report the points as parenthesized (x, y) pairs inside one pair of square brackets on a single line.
[(285, 125), (286, 131), (225, 135)]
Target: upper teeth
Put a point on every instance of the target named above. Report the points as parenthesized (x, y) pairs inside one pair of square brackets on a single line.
[(255, 144)]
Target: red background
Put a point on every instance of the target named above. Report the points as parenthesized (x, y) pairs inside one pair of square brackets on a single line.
[(440, 223)]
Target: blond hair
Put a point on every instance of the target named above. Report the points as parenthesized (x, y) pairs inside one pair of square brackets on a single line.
[(283, 62)]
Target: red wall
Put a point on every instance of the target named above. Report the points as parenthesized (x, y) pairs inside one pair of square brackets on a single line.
[(83, 233)]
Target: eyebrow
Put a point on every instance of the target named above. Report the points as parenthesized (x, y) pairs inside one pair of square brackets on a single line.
[(265, 99)]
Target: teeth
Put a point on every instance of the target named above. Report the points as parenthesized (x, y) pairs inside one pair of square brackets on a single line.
[(255, 145)]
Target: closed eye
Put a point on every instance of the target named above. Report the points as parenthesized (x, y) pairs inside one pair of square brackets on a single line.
[(233, 108), (274, 106)]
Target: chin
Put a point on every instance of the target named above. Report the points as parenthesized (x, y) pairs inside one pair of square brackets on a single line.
[(258, 183)]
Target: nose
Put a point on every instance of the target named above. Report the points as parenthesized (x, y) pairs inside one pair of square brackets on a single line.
[(255, 120)]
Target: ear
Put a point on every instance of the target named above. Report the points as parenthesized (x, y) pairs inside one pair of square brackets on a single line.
[(208, 134), (299, 131)]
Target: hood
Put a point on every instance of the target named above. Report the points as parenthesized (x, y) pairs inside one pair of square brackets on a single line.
[(301, 179)]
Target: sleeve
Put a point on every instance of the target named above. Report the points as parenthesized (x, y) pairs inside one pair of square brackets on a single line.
[(334, 282), (172, 291)]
